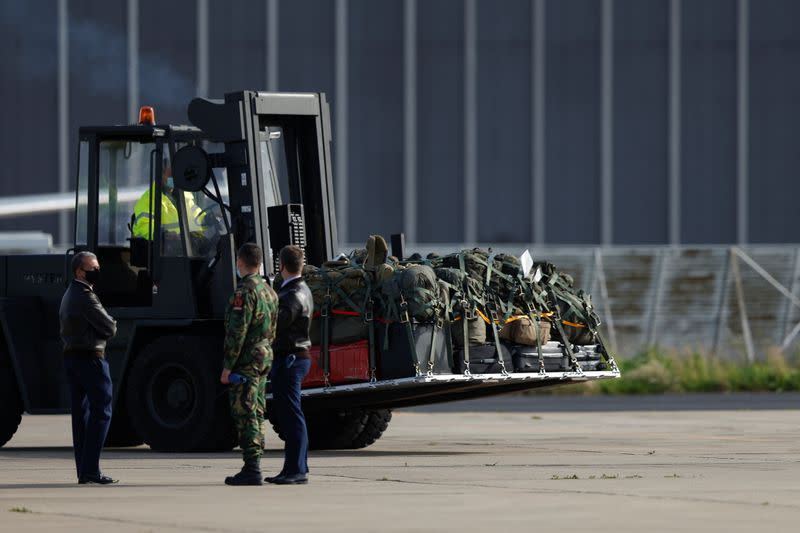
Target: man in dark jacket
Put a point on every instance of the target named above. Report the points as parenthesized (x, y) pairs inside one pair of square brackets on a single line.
[(291, 364), (85, 328)]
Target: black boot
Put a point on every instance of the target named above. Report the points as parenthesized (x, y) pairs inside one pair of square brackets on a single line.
[(249, 475)]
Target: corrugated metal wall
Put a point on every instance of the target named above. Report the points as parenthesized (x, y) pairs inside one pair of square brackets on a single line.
[(572, 122)]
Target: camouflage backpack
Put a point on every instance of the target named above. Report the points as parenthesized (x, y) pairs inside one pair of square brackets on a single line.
[(575, 320), (342, 295), (412, 293), (473, 262)]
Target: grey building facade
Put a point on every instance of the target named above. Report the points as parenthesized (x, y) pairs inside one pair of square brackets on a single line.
[(574, 122)]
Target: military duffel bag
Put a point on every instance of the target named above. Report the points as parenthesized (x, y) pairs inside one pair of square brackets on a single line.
[(473, 262), (342, 299), (577, 333), (504, 282), (575, 315), (466, 295), (524, 330), (339, 285), (412, 293)]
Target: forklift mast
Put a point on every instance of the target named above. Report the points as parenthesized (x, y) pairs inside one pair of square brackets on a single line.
[(244, 122)]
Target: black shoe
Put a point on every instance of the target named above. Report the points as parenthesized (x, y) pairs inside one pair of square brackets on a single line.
[(296, 479), (273, 478), (249, 475), (97, 480)]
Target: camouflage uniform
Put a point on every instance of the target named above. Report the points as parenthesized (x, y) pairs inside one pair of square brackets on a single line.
[(249, 330)]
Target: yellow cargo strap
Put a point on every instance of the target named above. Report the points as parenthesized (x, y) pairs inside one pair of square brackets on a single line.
[(514, 318)]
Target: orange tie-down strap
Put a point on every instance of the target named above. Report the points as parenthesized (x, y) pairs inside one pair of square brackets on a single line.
[(514, 318)]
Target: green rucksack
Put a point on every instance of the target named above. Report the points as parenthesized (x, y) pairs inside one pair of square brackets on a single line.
[(575, 319), (412, 293), (342, 295), (473, 262), (466, 295), (339, 285)]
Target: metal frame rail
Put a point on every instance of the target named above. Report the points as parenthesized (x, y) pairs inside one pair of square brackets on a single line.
[(435, 388)]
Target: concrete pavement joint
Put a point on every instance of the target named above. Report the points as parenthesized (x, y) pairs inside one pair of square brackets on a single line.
[(571, 491)]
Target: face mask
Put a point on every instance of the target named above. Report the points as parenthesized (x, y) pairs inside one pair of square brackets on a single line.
[(92, 276), (170, 183)]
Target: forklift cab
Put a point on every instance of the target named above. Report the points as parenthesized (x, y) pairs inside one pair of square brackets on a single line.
[(164, 207), (132, 216)]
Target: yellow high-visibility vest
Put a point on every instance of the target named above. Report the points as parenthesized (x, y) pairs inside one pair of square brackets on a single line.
[(144, 220)]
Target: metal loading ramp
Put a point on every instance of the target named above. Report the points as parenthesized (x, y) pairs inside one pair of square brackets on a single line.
[(427, 389), (588, 364)]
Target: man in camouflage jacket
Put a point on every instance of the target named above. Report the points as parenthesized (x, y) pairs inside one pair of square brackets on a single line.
[(250, 321)]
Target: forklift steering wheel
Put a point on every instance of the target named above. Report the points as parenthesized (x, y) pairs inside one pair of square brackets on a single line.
[(200, 217)]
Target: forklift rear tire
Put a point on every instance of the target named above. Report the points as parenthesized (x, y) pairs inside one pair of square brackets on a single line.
[(343, 429), (175, 399), (10, 403)]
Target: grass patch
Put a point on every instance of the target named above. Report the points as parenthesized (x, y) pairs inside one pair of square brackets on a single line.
[(20, 510), (656, 371)]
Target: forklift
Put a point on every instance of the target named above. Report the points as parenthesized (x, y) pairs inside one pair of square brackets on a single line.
[(253, 167)]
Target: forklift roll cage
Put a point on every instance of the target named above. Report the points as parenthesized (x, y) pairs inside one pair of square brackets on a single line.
[(241, 123)]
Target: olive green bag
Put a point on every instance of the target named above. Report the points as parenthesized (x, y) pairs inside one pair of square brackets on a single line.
[(412, 293), (525, 330), (575, 320), (341, 293), (465, 295)]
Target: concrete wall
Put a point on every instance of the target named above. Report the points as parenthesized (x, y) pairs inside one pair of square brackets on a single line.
[(524, 121)]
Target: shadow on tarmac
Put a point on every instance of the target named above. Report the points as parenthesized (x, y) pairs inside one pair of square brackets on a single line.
[(117, 486), (121, 453), (555, 403)]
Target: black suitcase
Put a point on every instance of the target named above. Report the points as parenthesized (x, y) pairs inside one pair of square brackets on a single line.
[(526, 359), (483, 359), (396, 357)]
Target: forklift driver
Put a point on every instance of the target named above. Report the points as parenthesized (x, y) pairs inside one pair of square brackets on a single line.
[(143, 219)]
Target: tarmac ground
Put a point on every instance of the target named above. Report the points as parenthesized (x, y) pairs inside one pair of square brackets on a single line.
[(512, 464)]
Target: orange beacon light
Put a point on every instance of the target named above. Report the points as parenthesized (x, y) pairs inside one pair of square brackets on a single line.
[(147, 115)]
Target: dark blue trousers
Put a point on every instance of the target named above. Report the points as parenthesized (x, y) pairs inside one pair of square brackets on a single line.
[(285, 383), (91, 390)]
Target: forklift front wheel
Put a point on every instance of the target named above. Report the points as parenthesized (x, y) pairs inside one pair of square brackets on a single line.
[(174, 397)]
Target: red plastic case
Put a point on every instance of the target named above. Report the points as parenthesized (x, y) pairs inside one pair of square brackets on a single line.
[(349, 364)]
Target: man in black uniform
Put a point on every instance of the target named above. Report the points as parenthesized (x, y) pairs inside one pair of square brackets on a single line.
[(291, 364), (85, 328)]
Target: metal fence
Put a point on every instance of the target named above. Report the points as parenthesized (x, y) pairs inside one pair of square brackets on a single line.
[(737, 302)]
